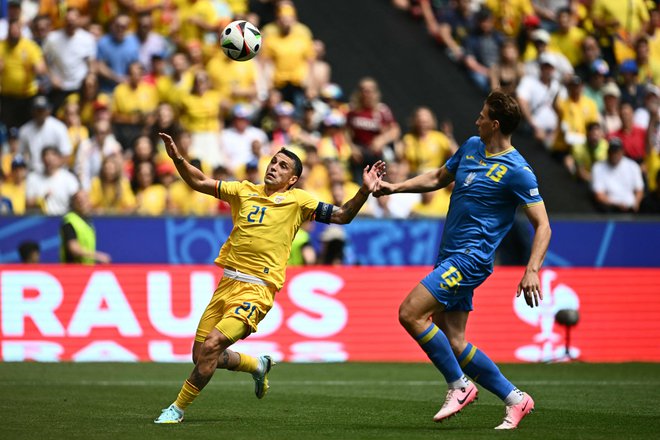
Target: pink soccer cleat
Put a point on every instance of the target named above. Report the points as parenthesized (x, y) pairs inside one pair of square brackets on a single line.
[(456, 400), (515, 413)]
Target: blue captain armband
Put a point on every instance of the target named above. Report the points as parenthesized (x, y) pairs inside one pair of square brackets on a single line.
[(323, 212)]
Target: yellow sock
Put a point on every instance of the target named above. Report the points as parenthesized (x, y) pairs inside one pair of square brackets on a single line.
[(247, 363), (186, 395)]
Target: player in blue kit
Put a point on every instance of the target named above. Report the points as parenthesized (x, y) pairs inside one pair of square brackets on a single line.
[(492, 180)]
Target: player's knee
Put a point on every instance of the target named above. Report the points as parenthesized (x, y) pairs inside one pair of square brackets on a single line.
[(406, 316), (211, 346)]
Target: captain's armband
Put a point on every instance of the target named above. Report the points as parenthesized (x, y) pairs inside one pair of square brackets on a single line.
[(323, 212)]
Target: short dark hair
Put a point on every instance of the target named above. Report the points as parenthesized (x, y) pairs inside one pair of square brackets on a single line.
[(504, 109), (27, 248), (297, 163)]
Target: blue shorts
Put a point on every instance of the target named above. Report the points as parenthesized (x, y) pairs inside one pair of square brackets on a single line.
[(453, 280)]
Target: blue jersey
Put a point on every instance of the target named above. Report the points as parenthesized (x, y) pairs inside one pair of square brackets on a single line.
[(489, 188)]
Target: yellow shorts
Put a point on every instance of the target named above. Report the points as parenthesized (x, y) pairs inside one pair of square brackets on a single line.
[(239, 300)]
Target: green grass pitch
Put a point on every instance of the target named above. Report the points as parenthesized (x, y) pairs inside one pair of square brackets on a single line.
[(321, 401)]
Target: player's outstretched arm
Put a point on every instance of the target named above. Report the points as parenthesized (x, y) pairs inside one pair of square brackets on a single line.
[(191, 175), (429, 181), (371, 177), (530, 284)]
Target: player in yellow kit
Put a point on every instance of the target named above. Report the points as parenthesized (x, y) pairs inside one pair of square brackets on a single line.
[(266, 218)]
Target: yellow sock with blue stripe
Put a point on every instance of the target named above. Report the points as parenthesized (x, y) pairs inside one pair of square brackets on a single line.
[(247, 363), (436, 345), (186, 396), (479, 367)]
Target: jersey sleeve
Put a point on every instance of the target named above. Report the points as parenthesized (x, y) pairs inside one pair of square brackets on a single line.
[(525, 187), (452, 162), (308, 204), (229, 191)]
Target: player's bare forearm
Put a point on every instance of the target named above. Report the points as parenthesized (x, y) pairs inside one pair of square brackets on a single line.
[(542, 233), (429, 181), (190, 174)]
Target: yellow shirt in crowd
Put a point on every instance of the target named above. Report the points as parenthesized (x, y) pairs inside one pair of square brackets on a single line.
[(18, 77)]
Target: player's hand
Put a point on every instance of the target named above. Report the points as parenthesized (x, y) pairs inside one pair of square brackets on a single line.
[(102, 257), (530, 286), (372, 175), (382, 189), (170, 146)]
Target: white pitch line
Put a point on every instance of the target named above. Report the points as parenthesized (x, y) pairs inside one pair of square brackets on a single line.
[(340, 383)]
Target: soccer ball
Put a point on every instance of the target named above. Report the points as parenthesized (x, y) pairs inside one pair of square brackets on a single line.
[(241, 41)]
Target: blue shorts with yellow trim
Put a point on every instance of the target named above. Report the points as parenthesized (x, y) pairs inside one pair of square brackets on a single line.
[(235, 299), (453, 280)]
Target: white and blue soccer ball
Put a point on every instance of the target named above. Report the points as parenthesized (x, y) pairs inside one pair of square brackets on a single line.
[(241, 40)]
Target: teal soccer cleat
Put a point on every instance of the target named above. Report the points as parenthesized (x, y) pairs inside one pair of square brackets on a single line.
[(261, 376), (171, 414)]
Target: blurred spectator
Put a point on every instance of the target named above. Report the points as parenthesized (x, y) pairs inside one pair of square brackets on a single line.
[(333, 245), (13, 187), (433, 204), (536, 96), (508, 71), (117, 50), (133, 106), (617, 182), (611, 105), (237, 83), (110, 191), (50, 190), (143, 151), (619, 24), (335, 143), (41, 131), (151, 43), (183, 77), (596, 82), (450, 25), (288, 51), (13, 149), (287, 132), (653, 147), (91, 153), (632, 138), (91, 101), (546, 10), (21, 62), (30, 252), (196, 19), (183, 200), (239, 138), (642, 115), (575, 112), (424, 148), (150, 195), (78, 234), (266, 116), (77, 132), (41, 27), (200, 115), (56, 10), (14, 13), (509, 15), (651, 202), (398, 206), (563, 68), (649, 68), (165, 122), (592, 151), (302, 250), (482, 49), (320, 71), (372, 127), (332, 96), (70, 53), (568, 37), (590, 53), (632, 91)]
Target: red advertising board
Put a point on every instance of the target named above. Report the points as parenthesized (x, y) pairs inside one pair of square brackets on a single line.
[(150, 313)]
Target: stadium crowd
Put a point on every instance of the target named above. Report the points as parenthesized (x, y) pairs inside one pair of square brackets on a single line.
[(586, 74), (86, 86)]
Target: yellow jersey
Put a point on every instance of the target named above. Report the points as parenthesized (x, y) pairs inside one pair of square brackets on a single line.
[(18, 77), (264, 227)]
